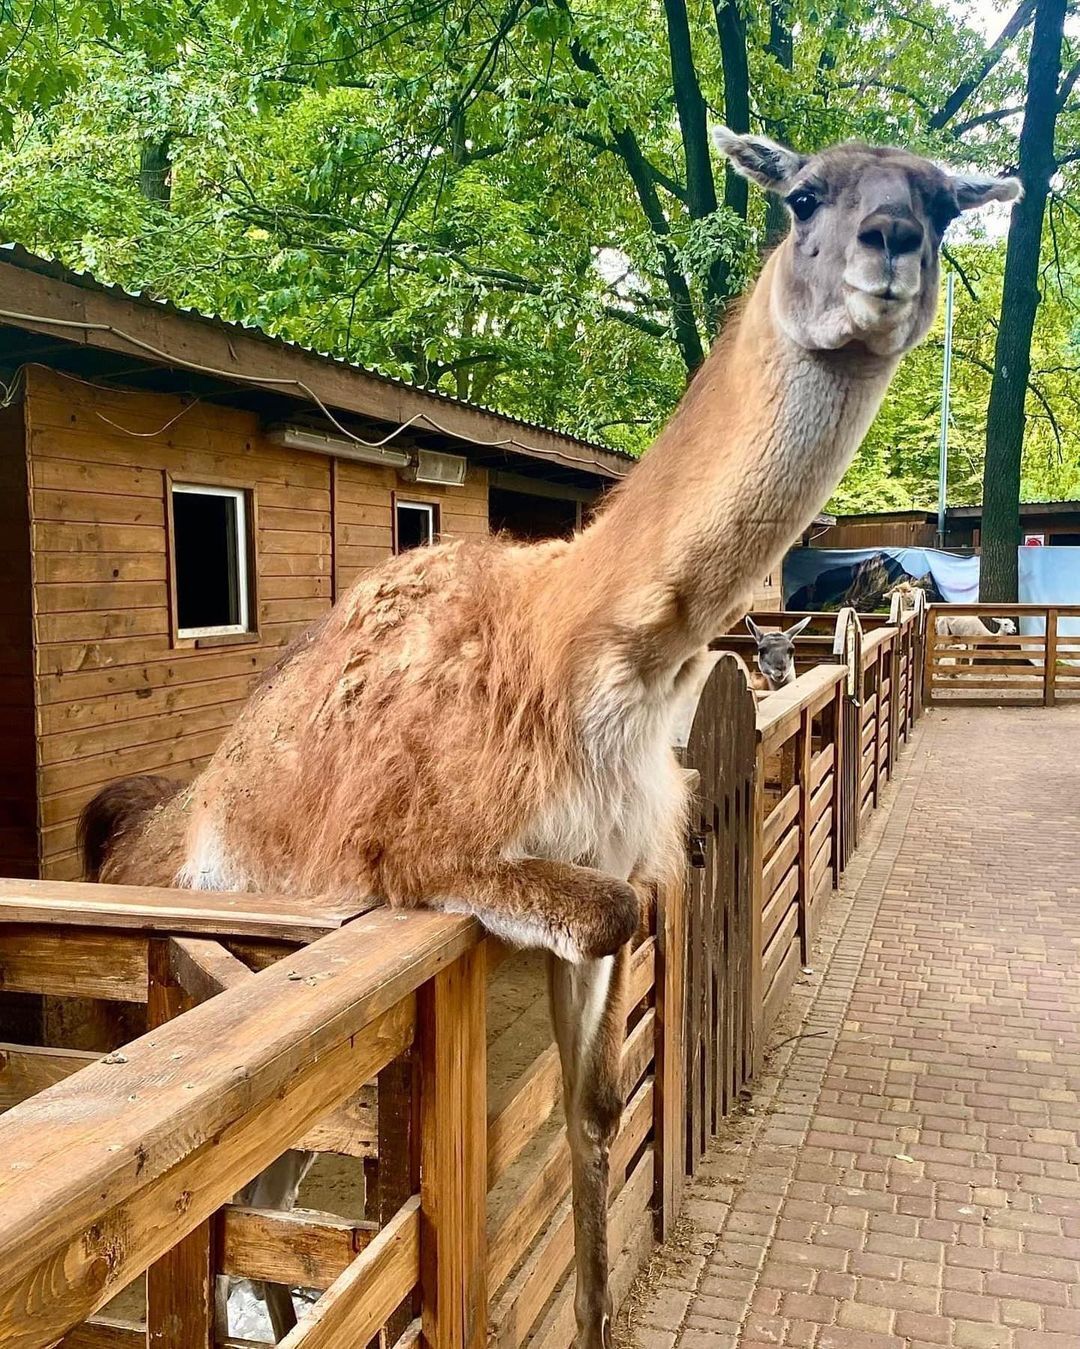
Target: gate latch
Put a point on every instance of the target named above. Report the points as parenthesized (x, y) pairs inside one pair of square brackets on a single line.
[(697, 849)]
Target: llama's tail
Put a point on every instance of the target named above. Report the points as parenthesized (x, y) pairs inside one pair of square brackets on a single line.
[(115, 810)]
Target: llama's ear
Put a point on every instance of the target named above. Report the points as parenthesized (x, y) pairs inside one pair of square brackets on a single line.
[(976, 189), (793, 632), (771, 166), (755, 631)]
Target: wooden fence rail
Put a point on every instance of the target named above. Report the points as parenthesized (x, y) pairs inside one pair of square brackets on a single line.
[(374, 1036), (1038, 666)]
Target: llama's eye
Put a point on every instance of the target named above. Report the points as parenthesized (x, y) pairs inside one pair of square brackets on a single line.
[(944, 213), (803, 203)]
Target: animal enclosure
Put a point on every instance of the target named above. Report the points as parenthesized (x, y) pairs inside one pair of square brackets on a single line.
[(1037, 667), (416, 1051)]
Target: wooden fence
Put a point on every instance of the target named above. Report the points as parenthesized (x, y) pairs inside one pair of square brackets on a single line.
[(415, 1051), (1037, 667)]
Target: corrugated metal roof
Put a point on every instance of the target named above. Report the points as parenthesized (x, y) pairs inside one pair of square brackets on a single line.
[(19, 256)]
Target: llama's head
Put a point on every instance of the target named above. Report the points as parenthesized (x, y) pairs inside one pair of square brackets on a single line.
[(860, 263), (1006, 627), (776, 652)]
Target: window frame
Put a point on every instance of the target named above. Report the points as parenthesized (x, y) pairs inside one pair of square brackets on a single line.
[(430, 504), (247, 631)]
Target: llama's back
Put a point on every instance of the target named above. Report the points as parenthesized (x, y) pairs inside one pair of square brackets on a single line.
[(373, 740)]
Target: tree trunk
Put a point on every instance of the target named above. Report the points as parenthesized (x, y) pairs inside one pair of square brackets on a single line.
[(1019, 303), (731, 30), (154, 169), (781, 48), (693, 125)]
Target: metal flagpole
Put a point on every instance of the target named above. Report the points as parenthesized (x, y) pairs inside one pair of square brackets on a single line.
[(946, 373)]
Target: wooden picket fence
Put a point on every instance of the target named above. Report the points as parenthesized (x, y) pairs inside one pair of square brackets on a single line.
[(375, 1037), (1038, 667)]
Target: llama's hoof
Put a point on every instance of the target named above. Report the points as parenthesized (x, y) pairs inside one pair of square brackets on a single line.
[(616, 920), (596, 1335)]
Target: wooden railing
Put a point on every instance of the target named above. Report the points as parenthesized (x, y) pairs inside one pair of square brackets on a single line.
[(371, 1043), (800, 748), (1038, 666), (415, 1050)]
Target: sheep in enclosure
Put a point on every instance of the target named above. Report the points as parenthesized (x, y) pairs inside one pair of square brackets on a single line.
[(969, 628), (775, 657)]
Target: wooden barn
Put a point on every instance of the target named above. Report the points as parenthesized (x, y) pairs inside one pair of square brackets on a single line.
[(177, 503)]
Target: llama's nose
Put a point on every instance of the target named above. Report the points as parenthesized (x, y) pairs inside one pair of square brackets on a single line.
[(891, 232)]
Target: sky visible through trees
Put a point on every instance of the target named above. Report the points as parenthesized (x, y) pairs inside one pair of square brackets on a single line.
[(516, 201)]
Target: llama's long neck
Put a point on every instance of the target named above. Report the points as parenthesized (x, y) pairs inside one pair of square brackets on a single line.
[(761, 438)]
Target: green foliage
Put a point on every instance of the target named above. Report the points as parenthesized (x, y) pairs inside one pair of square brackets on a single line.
[(435, 188)]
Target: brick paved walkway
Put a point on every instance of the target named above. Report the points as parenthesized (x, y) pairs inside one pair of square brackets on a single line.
[(910, 1172)]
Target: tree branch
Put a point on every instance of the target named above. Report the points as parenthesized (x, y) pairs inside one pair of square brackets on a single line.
[(1021, 17), (687, 337), (998, 115)]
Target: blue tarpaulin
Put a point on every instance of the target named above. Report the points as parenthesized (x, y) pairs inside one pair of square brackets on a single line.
[(826, 578)]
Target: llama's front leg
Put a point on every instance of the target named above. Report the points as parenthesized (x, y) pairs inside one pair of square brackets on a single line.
[(576, 912), (588, 1012)]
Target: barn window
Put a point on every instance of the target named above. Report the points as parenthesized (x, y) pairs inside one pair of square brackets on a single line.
[(211, 544), (415, 524)]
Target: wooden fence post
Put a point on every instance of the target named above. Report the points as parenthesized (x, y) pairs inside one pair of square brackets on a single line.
[(929, 645), (1050, 667), (669, 1096), (804, 753), (453, 1144), (757, 899), (895, 706), (839, 780), (179, 1286)]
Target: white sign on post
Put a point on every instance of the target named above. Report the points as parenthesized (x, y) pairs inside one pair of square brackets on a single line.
[(1034, 540)]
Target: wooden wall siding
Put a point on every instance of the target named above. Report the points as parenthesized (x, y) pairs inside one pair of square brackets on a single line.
[(363, 514), (18, 815), (878, 533), (114, 695), (769, 592)]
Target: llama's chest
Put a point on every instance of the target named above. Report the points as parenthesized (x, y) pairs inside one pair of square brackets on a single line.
[(617, 811)]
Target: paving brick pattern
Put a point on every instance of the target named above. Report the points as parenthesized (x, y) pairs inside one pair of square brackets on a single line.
[(909, 1171)]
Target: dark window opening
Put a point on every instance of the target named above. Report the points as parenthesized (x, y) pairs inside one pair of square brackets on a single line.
[(416, 523), (210, 550), (528, 517), (1063, 540)]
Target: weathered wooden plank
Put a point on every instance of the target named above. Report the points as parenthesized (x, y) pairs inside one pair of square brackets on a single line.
[(670, 1072), (642, 973), (298, 1247), (197, 1109), (778, 819), (155, 909), (521, 1110), (27, 1069), (203, 968), (180, 1283), (68, 963), (106, 1332), (453, 1141), (359, 1301)]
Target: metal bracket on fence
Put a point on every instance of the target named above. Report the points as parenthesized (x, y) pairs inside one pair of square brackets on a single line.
[(697, 849)]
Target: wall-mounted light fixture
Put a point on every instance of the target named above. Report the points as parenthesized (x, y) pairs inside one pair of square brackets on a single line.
[(338, 447), (440, 470)]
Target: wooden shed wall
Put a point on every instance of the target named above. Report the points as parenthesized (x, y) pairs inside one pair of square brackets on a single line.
[(18, 812), (115, 694), (769, 593), (904, 531)]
